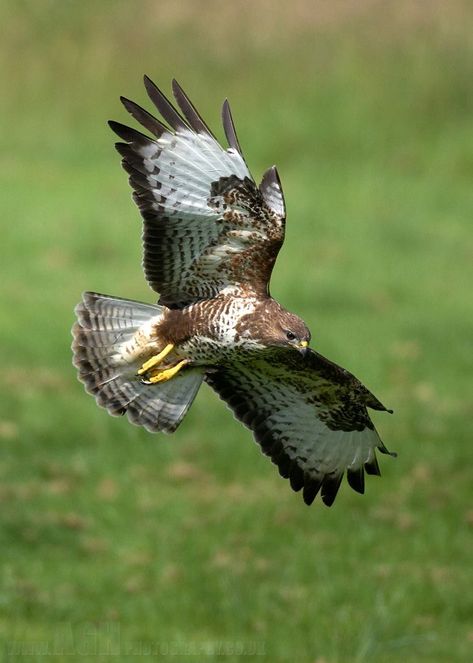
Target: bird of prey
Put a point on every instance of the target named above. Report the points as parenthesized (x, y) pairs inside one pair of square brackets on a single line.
[(211, 237)]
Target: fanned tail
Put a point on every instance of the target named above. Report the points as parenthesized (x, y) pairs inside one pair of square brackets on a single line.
[(103, 335)]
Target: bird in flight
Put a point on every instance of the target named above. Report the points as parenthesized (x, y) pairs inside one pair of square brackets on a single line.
[(211, 237)]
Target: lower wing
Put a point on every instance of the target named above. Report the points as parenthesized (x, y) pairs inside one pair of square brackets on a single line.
[(309, 415)]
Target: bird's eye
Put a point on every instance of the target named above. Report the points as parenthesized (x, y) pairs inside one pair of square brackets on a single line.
[(290, 336)]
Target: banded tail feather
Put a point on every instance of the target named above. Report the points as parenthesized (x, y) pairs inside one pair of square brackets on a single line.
[(106, 348)]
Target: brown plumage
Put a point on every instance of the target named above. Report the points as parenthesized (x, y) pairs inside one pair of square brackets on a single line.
[(211, 237)]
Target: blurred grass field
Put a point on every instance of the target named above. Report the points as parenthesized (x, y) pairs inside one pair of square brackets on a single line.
[(116, 542)]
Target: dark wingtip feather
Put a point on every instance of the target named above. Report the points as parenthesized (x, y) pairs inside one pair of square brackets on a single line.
[(229, 128), (296, 478), (372, 467), (384, 450), (311, 489), (330, 488), (375, 404), (122, 149), (164, 106), (143, 117), (189, 111), (356, 479), (128, 134), (284, 466)]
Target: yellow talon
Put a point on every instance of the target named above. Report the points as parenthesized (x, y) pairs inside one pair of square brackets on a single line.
[(157, 359), (167, 374)]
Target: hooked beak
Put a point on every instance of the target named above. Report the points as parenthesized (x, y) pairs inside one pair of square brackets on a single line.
[(302, 347)]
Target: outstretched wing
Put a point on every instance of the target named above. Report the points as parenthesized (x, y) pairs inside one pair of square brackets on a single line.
[(309, 415), (207, 226)]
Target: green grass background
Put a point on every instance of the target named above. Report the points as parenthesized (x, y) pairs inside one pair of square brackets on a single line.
[(116, 542)]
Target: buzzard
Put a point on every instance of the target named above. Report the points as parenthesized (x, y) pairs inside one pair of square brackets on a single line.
[(211, 237)]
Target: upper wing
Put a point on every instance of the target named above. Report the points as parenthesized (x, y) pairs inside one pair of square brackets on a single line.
[(207, 226), (309, 415)]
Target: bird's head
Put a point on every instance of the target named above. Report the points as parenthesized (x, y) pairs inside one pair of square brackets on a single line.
[(290, 330)]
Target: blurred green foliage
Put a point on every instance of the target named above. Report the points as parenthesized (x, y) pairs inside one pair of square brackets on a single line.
[(114, 541)]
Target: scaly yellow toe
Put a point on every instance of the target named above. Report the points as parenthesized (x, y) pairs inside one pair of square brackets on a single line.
[(157, 359), (168, 373)]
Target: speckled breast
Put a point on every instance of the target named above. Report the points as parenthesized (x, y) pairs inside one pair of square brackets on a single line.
[(216, 338)]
